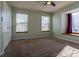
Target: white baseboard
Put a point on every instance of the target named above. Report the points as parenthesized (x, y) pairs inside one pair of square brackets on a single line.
[(29, 37), (66, 39)]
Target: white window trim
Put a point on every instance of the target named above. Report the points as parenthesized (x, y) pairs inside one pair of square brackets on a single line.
[(22, 12), (48, 24)]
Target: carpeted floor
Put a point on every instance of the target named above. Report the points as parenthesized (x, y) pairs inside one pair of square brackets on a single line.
[(41, 47)]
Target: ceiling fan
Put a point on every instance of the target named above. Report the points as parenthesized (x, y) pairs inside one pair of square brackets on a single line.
[(49, 3)]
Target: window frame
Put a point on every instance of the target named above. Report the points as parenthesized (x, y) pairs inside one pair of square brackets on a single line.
[(75, 32), (65, 26), (27, 23), (48, 24)]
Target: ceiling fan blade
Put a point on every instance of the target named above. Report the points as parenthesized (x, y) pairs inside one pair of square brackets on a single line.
[(53, 4), (45, 3)]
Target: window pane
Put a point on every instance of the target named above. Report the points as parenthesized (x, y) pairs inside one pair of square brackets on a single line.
[(21, 17), (75, 22), (21, 22), (45, 23), (21, 27)]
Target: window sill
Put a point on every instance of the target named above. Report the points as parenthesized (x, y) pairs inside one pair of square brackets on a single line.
[(21, 32), (45, 31), (72, 34)]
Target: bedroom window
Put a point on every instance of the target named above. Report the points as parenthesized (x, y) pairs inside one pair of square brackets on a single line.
[(45, 23), (21, 22), (75, 22)]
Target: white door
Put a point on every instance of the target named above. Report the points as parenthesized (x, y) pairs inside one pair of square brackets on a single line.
[(0, 27), (6, 25)]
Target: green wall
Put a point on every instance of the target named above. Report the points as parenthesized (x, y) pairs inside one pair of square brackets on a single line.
[(57, 24), (34, 25)]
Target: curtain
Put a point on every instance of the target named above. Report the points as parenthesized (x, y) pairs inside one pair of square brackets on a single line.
[(69, 25)]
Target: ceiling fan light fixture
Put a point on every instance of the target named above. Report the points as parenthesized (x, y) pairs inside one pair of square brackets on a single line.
[(49, 2)]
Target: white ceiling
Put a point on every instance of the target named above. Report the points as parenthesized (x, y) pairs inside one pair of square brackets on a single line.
[(38, 6)]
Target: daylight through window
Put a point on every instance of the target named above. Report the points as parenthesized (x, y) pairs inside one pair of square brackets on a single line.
[(21, 22)]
